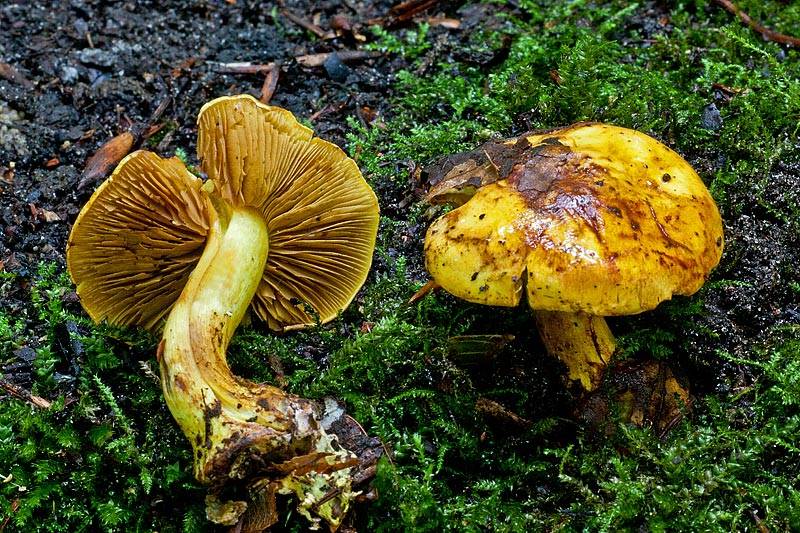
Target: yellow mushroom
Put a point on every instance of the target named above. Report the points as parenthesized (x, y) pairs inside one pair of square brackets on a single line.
[(284, 226), (586, 221)]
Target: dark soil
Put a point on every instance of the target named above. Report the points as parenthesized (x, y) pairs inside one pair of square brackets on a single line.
[(82, 72), (87, 71)]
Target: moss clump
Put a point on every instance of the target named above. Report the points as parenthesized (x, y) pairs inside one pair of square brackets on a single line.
[(104, 456)]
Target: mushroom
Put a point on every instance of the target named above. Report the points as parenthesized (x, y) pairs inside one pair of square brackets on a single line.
[(285, 227), (589, 220)]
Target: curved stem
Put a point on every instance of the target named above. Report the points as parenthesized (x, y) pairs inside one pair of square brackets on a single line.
[(240, 430), (583, 342)]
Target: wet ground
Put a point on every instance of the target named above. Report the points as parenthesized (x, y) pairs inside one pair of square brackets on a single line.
[(80, 73), (73, 75)]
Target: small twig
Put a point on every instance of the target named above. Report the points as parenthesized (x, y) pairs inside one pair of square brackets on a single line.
[(14, 508), (270, 69), (184, 67), (345, 56), (159, 111), (313, 28), (270, 84), (761, 527), (242, 68), (423, 292), (9, 72), (100, 164), (406, 11), (331, 107), (444, 22), (24, 395), (766, 33)]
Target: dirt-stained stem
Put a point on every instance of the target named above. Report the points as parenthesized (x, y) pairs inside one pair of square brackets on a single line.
[(583, 342), (239, 430)]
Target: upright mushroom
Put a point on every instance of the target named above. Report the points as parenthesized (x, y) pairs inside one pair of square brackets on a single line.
[(587, 221), (284, 226)]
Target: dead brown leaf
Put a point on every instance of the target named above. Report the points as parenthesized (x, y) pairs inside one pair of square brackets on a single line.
[(106, 158)]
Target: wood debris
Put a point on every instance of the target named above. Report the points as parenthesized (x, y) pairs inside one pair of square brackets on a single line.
[(9, 72), (766, 33), (305, 24), (272, 71), (24, 395), (270, 84), (406, 11), (99, 165), (242, 68), (345, 56)]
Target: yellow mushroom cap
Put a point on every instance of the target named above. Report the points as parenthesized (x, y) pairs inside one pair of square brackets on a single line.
[(590, 217), (135, 242), (321, 214)]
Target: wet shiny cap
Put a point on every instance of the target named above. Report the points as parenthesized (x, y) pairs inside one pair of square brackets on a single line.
[(590, 217)]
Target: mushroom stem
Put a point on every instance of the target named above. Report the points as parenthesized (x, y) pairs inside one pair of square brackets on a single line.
[(240, 430), (582, 341)]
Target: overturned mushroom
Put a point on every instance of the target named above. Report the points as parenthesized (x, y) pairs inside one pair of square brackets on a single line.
[(587, 221), (285, 226)]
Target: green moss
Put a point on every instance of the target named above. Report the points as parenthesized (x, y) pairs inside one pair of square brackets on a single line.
[(105, 455), (411, 46), (711, 474), (109, 454), (737, 461)]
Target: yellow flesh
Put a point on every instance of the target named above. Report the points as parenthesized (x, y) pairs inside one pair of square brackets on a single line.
[(584, 343)]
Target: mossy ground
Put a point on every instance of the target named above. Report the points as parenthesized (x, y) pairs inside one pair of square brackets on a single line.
[(106, 456)]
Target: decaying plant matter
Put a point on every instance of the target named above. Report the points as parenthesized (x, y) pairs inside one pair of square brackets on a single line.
[(283, 227)]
